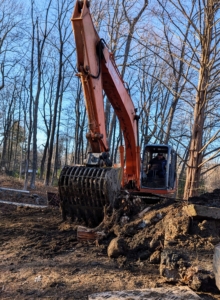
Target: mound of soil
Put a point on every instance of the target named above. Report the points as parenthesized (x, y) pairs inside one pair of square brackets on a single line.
[(207, 199)]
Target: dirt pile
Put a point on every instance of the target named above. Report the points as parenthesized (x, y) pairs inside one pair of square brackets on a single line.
[(208, 199), (166, 235)]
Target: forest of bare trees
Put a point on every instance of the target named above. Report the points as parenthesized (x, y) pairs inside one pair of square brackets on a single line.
[(168, 54)]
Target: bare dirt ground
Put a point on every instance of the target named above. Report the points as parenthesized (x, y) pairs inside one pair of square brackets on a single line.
[(41, 258)]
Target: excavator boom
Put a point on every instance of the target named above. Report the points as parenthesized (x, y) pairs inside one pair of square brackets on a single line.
[(98, 72), (88, 66)]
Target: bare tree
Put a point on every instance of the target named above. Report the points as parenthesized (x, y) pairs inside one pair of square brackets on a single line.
[(208, 35), (30, 106), (65, 51), (46, 112), (41, 37), (8, 109), (11, 15)]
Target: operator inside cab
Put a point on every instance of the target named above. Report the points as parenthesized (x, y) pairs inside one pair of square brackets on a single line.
[(157, 167)]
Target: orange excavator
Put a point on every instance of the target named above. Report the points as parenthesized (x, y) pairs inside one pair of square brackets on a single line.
[(86, 189)]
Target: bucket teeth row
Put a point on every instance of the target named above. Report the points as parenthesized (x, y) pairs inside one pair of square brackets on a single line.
[(84, 191)]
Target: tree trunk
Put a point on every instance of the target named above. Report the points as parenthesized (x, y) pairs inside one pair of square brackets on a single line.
[(40, 49), (44, 156), (195, 156), (195, 152), (53, 129), (27, 160), (57, 137)]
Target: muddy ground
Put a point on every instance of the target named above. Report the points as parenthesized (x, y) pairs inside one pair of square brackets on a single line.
[(41, 258)]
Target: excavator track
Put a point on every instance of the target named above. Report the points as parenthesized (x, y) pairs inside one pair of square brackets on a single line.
[(84, 191)]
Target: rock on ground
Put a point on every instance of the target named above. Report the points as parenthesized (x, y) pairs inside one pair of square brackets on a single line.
[(116, 248)]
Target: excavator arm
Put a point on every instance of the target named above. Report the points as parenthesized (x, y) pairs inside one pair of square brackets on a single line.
[(98, 72), (89, 67)]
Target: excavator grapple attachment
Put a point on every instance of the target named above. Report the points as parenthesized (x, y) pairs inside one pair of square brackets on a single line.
[(84, 191)]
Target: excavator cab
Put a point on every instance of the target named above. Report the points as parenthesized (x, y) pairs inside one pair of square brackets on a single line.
[(158, 170)]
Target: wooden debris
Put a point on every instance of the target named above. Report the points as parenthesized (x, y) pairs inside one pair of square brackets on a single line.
[(86, 234), (195, 210), (14, 190), (23, 204), (140, 215)]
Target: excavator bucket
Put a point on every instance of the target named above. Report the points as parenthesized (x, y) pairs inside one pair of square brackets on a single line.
[(85, 191)]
